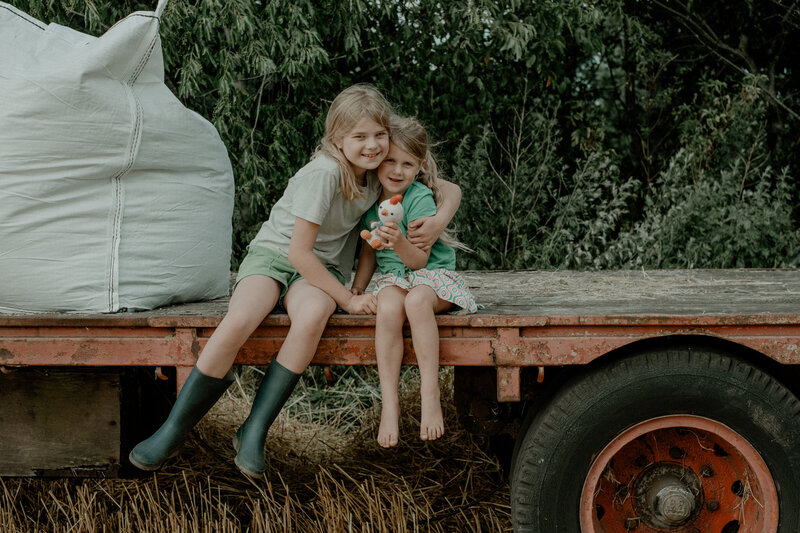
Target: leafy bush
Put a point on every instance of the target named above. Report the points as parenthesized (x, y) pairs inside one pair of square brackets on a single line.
[(600, 135), (508, 178), (719, 203)]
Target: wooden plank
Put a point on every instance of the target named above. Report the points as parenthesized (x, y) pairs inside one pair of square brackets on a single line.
[(60, 423), (553, 318), (512, 294), (626, 292)]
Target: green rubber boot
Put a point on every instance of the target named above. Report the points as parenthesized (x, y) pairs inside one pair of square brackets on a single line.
[(198, 395), (275, 389)]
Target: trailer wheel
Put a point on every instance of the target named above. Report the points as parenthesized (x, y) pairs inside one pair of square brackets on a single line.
[(673, 440)]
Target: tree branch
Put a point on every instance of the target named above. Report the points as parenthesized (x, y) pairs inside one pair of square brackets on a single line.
[(706, 36)]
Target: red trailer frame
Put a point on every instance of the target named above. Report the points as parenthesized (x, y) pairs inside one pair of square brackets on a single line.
[(566, 320)]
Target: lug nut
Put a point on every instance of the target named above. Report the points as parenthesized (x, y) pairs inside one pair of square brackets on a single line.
[(706, 471), (712, 505), (631, 523)]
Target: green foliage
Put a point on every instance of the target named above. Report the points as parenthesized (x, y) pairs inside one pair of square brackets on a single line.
[(590, 217), (711, 222), (719, 203), (584, 135)]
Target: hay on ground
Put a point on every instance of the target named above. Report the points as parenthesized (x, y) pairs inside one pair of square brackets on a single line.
[(325, 473)]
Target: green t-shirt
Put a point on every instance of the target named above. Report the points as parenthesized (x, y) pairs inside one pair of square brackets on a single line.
[(417, 202), (314, 194)]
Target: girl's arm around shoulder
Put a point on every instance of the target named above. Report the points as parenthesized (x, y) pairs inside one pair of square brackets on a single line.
[(301, 256), (423, 232)]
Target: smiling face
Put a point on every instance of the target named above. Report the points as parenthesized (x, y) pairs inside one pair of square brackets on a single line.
[(397, 171), (364, 146)]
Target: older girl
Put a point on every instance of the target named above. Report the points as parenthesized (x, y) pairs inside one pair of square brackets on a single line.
[(301, 256)]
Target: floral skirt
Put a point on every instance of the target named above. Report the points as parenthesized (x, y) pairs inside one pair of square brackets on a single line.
[(448, 285)]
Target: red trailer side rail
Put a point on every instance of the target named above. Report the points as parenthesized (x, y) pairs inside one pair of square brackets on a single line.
[(517, 329)]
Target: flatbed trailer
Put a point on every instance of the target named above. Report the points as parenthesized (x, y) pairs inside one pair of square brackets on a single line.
[(629, 400)]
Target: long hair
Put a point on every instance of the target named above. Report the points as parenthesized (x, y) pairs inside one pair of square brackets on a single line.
[(411, 137), (351, 105)]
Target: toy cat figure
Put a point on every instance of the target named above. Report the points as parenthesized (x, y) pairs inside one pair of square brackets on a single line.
[(390, 210)]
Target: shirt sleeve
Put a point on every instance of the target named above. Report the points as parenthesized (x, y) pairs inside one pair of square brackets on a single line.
[(420, 204)]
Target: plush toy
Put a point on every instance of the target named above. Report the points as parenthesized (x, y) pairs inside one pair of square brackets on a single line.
[(390, 210)]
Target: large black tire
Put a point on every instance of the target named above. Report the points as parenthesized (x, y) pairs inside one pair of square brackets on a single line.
[(553, 457)]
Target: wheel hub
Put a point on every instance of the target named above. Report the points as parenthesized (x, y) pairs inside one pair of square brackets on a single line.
[(667, 495), (680, 473)]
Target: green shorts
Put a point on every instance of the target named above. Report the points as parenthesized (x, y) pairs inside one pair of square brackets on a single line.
[(267, 262)]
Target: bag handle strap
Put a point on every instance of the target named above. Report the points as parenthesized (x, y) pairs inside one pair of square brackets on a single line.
[(162, 4)]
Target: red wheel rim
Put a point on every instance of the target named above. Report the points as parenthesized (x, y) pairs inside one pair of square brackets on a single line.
[(679, 473)]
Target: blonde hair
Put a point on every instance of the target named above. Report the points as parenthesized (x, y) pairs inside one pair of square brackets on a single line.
[(350, 106), (410, 135)]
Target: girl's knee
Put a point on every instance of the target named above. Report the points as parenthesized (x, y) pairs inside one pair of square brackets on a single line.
[(420, 299), (238, 324), (391, 308), (313, 315)]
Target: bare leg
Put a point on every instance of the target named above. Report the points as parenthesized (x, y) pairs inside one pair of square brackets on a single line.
[(389, 350), (421, 306), (309, 309), (252, 300)]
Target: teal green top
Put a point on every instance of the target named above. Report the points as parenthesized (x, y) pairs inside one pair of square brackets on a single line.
[(417, 203)]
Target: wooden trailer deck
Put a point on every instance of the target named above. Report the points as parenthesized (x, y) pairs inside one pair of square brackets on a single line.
[(84, 371), (531, 318)]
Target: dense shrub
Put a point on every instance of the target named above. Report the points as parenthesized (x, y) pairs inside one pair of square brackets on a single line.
[(584, 135)]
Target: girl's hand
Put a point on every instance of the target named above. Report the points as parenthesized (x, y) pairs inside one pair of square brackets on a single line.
[(356, 290), (424, 231), (390, 232), (361, 304)]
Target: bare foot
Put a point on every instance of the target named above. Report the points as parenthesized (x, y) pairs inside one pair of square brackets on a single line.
[(431, 425), (389, 431)]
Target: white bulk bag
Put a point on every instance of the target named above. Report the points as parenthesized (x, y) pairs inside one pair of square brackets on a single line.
[(113, 195)]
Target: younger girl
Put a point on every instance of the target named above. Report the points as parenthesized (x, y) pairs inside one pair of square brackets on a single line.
[(301, 256), (414, 283)]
